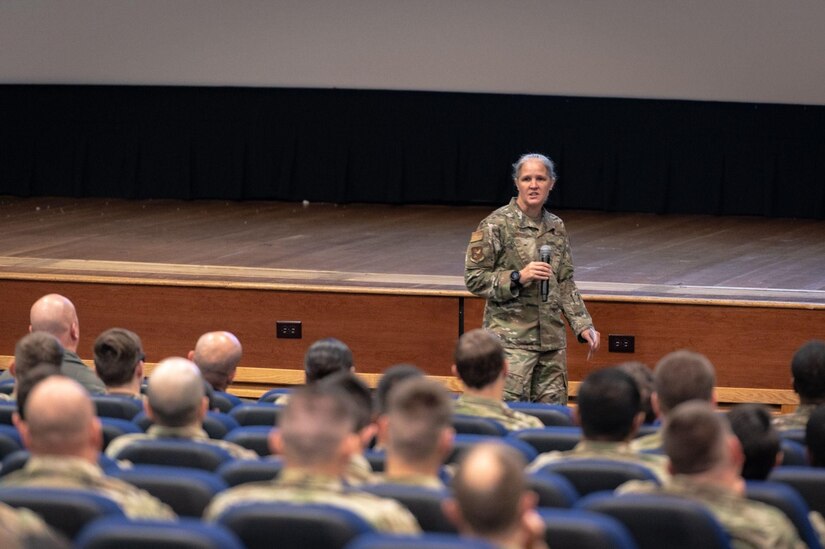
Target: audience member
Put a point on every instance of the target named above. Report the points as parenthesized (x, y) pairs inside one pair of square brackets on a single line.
[(706, 460), (323, 358), (177, 404), (418, 429), (808, 371), (815, 437), (64, 437), (316, 438), (643, 376), (609, 415), (33, 349), (480, 365), (391, 377), (679, 376), (359, 470), (491, 500), (119, 362), (751, 423), (26, 383), (56, 315), (217, 354)]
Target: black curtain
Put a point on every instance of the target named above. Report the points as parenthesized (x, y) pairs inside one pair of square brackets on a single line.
[(409, 147)]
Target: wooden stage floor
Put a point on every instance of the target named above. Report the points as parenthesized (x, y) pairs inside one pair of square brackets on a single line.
[(407, 249)]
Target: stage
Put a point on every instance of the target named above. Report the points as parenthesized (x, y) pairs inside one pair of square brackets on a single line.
[(388, 279)]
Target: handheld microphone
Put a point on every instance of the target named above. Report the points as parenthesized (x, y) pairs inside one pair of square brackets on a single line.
[(544, 285)]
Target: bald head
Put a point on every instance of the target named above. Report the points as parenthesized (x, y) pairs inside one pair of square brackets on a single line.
[(176, 393), (217, 354), (488, 488), (60, 420), (56, 315)]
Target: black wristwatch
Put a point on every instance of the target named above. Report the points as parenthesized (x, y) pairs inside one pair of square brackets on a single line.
[(515, 279)]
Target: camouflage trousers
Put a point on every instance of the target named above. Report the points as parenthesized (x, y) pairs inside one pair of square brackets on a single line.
[(536, 376)]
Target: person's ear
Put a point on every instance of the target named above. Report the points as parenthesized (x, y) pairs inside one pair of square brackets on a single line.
[(446, 441), (383, 429), (204, 407), (191, 356), (454, 370), (453, 513), (139, 370), (654, 404), (12, 371), (22, 428), (275, 442), (96, 434), (366, 434), (638, 420), (150, 413), (529, 500), (737, 455)]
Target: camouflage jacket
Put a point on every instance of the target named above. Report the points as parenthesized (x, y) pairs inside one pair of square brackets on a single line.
[(298, 487), (512, 420), (750, 524), (797, 420), (506, 241), (651, 442), (76, 473), (616, 451), (192, 433)]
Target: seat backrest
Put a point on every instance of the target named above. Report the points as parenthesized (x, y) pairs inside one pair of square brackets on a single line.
[(549, 414), (273, 394), (808, 481), (549, 439), (241, 471), (553, 489), (7, 386), (117, 406), (7, 410), (580, 529), (595, 475), (14, 461), (66, 510), (9, 440), (464, 442), (175, 452), (423, 503), (475, 425), (652, 518), (185, 533), (427, 540), (254, 437), (114, 427), (793, 453), (377, 459), (186, 491), (293, 526), (216, 424), (796, 435), (256, 414), (789, 502), (225, 401)]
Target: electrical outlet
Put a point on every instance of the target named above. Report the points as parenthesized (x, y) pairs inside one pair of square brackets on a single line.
[(288, 329), (621, 343)]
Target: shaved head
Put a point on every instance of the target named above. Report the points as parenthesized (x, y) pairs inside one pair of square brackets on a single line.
[(56, 315), (60, 419), (217, 354), (175, 392), (488, 488)]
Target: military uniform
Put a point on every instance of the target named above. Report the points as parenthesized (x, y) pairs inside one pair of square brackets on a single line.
[(615, 451), (423, 481), (75, 368), (797, 420), (195, 433), (72, 472), (653, 441), (750, 524), (358, 470), (21, 528), (530, 330), (512, 420), (298, 487)]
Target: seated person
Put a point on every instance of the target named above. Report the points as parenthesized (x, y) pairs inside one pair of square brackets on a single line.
[(815, 437), (706, 462), (391, 377), (609, 415), (176, 403), (491, 499), (324, 358), (679, 376), (419, 433), (316, 438), (64, 437), (217, 354), (31, 350), (808, 372), (480, 365), (119, 362), (761, 445)]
